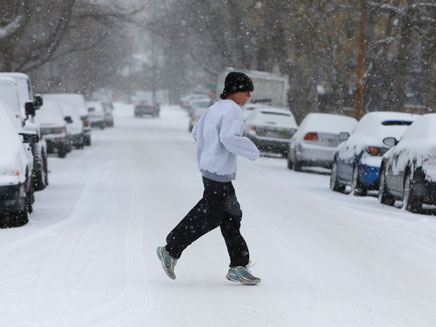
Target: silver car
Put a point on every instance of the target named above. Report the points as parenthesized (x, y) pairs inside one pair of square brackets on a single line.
[(316, 140)]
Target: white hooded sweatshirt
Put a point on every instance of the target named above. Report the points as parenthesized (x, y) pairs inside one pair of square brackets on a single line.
[(219, 139)]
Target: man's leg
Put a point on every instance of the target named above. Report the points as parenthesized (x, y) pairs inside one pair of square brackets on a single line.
[(230, 229), (207, 214)]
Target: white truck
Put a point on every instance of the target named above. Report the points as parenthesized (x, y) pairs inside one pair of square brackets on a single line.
[(24, 113), (269, 88)]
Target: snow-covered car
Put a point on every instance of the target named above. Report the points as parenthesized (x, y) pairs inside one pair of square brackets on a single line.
[(96, 114), (76, 101), (21, 93), (316, 140), (357, 161), (270, 128), (147, 107), (16, 179), (108, 116), (71, 113), (198, 107), (54, 128), (408, 170), (185, 102)]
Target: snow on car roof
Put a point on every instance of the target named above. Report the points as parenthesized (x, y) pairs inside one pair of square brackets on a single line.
[(50, 113), (327, 123), (77, 99), (422, 129), (381, 124)]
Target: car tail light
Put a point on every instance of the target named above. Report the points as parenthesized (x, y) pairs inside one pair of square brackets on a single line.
[(311, 136), (374, 151), (252, 128), (136, 106), (10, 173), (152, 106), (86, 123)]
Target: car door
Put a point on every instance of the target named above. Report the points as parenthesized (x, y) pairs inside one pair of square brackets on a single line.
[(344, 162)]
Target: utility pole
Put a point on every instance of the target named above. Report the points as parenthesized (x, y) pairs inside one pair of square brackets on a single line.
[(360, 69)]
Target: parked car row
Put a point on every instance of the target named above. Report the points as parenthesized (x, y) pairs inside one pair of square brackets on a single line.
[(392, 153), (31, 127)]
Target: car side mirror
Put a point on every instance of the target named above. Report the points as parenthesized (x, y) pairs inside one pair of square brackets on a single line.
[(343, 136), (29, 108), (30, 138), (68, 119), (38, 102), (390, 141)]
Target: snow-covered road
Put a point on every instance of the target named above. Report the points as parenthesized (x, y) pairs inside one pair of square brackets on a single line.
[(87, 257)]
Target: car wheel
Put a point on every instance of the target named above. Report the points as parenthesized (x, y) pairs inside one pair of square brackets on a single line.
[(411, 202), (41, 178), (62, 152), (383, 193), (16, 219), (334, 184), (298, 166), (357, 189)]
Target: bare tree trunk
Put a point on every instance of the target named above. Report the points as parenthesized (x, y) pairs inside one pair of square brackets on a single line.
[(360, 69)]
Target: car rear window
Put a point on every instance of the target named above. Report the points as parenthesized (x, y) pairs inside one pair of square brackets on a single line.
[(397, 123)]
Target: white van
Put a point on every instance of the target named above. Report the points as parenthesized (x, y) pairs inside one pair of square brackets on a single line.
[(25, 113), (78, 101), (16, 179), (71, 114), (54, 128)]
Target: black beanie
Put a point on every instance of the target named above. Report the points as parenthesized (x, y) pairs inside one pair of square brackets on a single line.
[(237, 82)]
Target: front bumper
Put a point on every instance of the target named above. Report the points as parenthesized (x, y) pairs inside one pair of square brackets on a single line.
[(77, 139), (369, 176), (12, 198), (56, 142), (98, 123)]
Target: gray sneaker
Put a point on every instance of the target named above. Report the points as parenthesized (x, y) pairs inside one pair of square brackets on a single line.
[(168, 262), (242, 275)]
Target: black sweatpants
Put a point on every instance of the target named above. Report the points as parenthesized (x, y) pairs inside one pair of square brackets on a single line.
[(218, 207)]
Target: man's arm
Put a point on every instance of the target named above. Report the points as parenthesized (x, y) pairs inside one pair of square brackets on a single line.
[(232, 139)]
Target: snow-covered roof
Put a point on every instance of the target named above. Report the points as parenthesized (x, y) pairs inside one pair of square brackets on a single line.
[(50, 113), (75, 99)]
